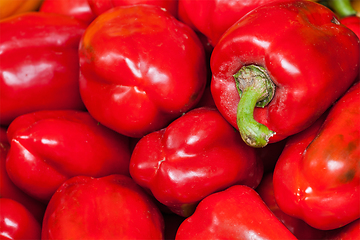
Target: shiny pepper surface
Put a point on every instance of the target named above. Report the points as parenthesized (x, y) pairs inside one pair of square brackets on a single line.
[(111, 207), (237, 213), (49, 147), (39, 64), (140, 69), (213, 17), (17, 222), (196, 155), (317, 177), (280, 67)]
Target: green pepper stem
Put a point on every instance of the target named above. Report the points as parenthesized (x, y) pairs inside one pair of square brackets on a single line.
[(255, 89), (343, 8)]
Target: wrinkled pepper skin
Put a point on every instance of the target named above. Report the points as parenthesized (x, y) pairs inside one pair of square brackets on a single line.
[(101, 6), (9, 190), (40, 67), (317, 177), (298, 227), (213, 17), (79, 9), (150, 71), (196, 155), (235, 213), (49, 147), (16, 222), (272, 45), (111, 207)]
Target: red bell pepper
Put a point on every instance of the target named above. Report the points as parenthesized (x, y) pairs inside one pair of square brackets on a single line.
[(298, 227), (352, 22), (196, 155), (150, 71), (347, 14), (350, 231), (40, 64), (317, 177), (112, 207), (16, 222), (235, 213), (9, 190), (79, 9), (280, 67), (49, 147), (213, 17), (101, 6)]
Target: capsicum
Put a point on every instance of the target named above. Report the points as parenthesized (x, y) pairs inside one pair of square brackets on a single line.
[(79, 9), (39, 64), (9, 190), (213, 17), (101, 6), (298, 227), (280, 67), (317, 176), (196, 155), (16, 222), (350, 231), (352, 22), (49, 147), (150, 71), (110, 207), (235, 213)]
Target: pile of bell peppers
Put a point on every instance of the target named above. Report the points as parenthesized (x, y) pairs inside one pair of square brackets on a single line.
[(179, 119)]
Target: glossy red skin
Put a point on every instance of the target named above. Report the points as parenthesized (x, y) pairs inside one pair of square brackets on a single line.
[(235, 213), (134, 84), (298, 227), (112, 207), (41, 71), (79, 9), (352, 22), (305, 31), (49, 147), (16, 222), (214, 17), (196, 155), (350, 231), (317, 177), (9, 190), (101, 6)]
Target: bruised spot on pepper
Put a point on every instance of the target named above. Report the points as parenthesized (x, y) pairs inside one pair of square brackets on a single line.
[(348, 176), (351, 146), (89, 52)]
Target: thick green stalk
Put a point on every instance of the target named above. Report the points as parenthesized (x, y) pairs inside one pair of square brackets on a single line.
[(342, 7), (256, 90)]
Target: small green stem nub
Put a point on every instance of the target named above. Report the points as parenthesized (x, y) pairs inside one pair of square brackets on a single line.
[(343, 8), (256, 90)]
